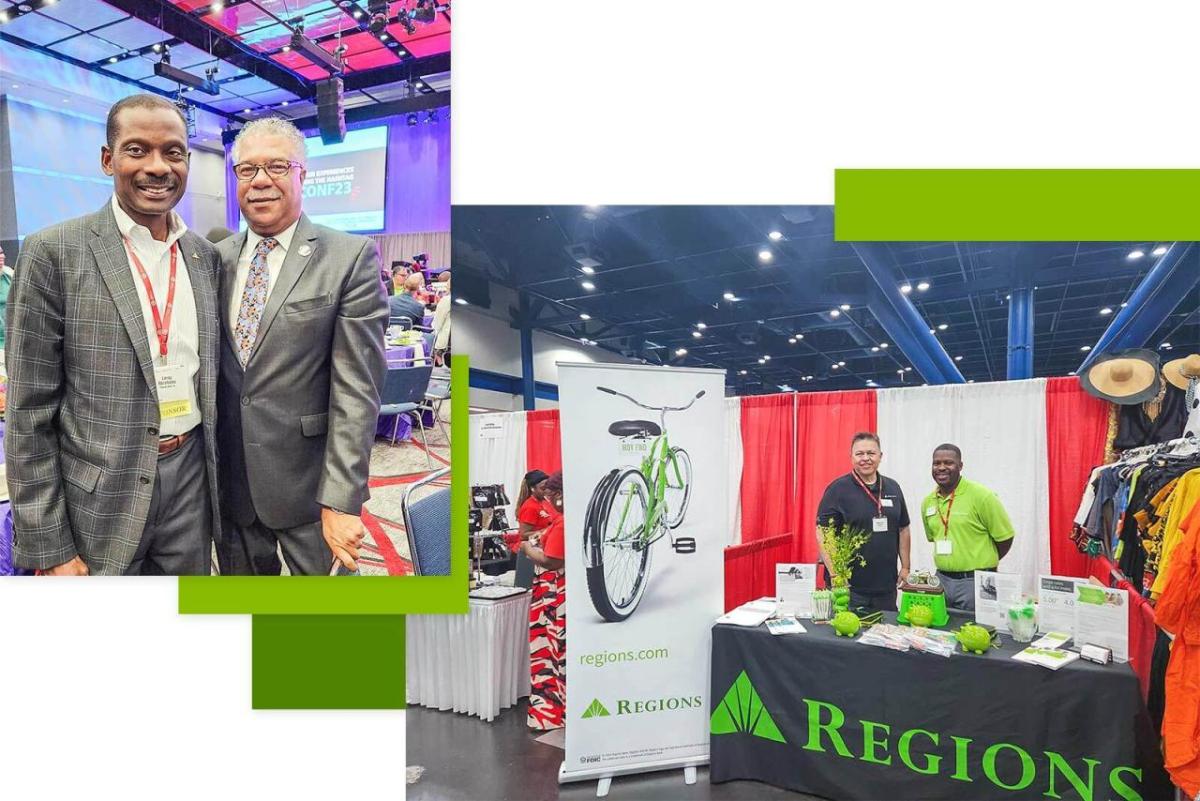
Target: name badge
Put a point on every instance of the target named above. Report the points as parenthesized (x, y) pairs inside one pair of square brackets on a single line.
[(930, 511), (887, 503), (943, 547), (174, 396), (879, 524)]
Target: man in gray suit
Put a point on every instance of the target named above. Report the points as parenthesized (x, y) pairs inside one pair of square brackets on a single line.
[(302, 363), (112, 371)]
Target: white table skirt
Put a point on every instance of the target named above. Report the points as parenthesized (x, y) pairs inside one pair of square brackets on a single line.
[(476, 664)]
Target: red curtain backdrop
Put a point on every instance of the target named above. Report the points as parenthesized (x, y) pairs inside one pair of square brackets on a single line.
[(543, 442), (1076, 428), (825, 422), (750, 568), (767, 468)]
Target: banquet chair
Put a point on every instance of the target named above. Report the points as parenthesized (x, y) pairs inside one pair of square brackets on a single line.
[(438, 393), (427, 522), (403, 390)]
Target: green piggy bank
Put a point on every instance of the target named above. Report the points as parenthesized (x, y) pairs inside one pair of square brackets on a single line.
[(974, 638), (846, 624), (921, 616)]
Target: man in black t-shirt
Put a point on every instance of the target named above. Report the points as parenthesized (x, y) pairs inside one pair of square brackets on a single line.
[(865, 500)]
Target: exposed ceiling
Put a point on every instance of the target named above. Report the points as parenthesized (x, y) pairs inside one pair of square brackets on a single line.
[(246, 42), (663, 271)]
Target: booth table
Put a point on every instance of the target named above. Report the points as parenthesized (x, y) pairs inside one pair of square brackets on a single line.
[(829, 716), (475, 664)]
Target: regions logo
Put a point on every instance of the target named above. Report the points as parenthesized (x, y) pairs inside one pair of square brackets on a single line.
[(595, 710), (741, 710)]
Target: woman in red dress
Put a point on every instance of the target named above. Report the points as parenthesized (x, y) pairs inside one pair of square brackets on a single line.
[(547, 626)]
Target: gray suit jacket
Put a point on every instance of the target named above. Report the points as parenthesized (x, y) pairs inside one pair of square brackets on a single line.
[(82, 424), (296, 425)]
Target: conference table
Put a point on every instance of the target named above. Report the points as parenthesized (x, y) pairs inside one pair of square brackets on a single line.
[(474, 664), (830, 716)]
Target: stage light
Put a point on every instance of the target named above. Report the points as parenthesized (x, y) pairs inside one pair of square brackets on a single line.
[(1106, 310), (775, 236), (156, 48), (921, 287), (245, 111), (765, 255), (287, 48), (318, 55), (217, 6), (358, 14), (588, 285), (411, 119), (284, 104), (112, 60), (585, 316), (378, 9), (431, 117), (1135, 255), (906, 288), (1158, 251), (425, 12), (383, 37)]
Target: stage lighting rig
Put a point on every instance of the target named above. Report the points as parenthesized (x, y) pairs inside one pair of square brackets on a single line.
[(378, 12), (315, 53), (189, 114), (163, 69)]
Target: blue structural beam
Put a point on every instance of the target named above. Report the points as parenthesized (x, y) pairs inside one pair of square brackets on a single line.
[(1167, 283), (903, 323), (1020, 333), (528, 390), (508, 385)]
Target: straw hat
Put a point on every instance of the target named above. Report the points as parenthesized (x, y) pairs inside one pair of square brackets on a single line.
[(1125, 378), (1178, 371)]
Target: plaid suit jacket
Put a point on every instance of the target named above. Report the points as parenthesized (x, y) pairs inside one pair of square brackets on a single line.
[(82, 425)]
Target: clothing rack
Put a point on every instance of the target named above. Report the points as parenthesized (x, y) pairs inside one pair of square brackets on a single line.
[(1146, 451)]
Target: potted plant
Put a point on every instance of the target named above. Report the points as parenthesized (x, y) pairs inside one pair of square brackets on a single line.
[(842, 544)]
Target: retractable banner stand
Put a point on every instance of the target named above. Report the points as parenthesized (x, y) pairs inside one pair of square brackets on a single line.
[(644, 478)]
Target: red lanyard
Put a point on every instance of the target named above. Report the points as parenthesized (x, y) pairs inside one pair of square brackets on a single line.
[(946, 519), (162, 325), (877, 501)]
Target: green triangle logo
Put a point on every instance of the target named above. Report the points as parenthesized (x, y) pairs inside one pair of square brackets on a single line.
[(741, 710), (595, 710)]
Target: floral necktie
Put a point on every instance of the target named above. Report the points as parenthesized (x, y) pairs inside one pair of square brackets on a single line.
[(254, 298)]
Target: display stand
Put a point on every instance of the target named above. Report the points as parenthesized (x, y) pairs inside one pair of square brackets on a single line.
[(604, 776)]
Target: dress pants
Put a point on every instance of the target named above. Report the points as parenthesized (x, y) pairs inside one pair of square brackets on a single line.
[(253, 550), (960, 592), (177, 539)]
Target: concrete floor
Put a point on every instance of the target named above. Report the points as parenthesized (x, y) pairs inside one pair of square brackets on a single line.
[(465, 759)]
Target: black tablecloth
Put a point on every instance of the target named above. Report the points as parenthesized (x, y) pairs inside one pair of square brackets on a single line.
[(832, 717)]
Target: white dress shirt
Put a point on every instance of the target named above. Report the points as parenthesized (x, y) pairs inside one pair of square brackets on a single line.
[(274, 265), (183, 334)]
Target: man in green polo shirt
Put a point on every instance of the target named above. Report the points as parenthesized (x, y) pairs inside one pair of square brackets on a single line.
[(967, 525)]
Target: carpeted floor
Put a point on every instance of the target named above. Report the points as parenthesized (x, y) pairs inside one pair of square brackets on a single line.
[(394, 468)]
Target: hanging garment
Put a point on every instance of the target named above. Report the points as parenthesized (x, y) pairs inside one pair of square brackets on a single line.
[(1191, 428), (1136, 428), (1178, 612)]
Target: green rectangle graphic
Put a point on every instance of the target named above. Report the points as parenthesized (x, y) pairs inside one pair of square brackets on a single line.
[(328, 662), (1016, 205)]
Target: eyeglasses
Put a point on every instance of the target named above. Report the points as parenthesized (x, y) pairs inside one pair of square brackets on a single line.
[(245, 171)]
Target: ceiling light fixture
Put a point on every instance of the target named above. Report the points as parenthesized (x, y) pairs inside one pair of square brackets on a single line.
[(775, 236), (701, 326), (841, 364), (1106, 310), (728, 296), (943, 326), (1086, 348), (585, 316), (1158, 251), (791, 340), (697, 334), (922, 286), (742, 372), (883, 345), (588, 285), (906, 288), (833, 367), (958, 358), (845, 307), (1165, 346), (766, 357), (681, 351), (1135, 254), (834, 313), (762, 361), (765, 255), (461, 301)]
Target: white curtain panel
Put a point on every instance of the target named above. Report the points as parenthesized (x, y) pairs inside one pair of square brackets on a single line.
[(1001, 429), (498, 459), (733, 459)]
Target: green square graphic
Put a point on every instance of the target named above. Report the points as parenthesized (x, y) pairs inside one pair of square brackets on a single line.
[(987, 205), (319, 661), (367, 595)]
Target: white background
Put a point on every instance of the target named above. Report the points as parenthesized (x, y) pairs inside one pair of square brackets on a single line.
[(108, 692), (683, 594)]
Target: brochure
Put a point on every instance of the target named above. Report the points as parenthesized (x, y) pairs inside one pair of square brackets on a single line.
[(751, 614), (786, 625), (794, 585), (1052, 658), (1102, 618), (994, 593), (1051, 639)]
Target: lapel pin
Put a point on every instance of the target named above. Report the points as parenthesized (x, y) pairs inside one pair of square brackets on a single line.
[(305, 250), (195, 255)]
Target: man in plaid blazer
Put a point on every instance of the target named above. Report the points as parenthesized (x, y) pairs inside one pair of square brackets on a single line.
[(303, 318), (111, 354)]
